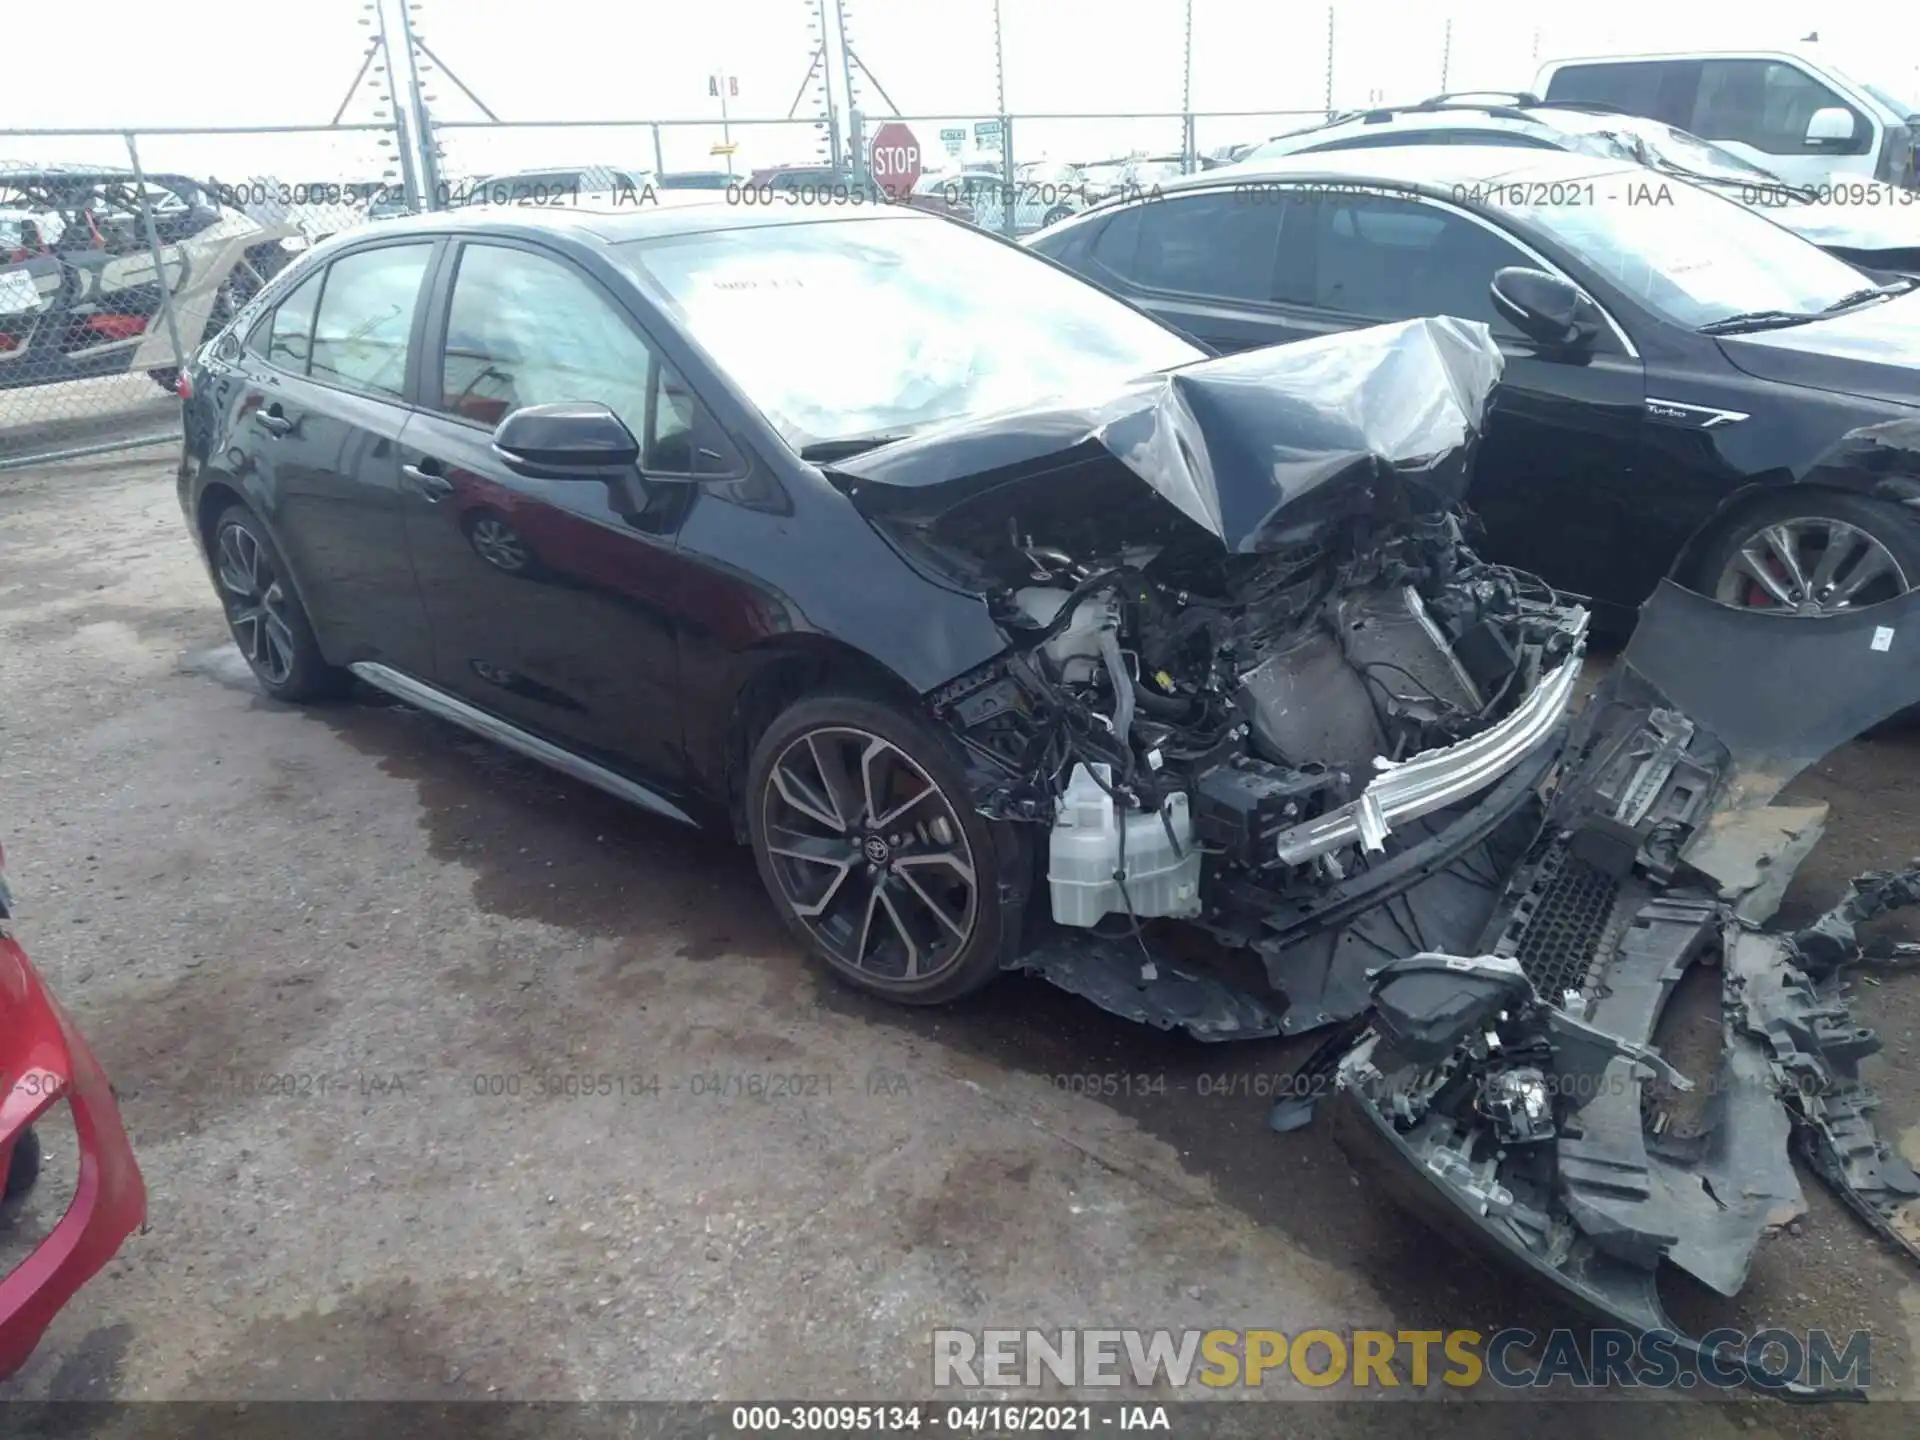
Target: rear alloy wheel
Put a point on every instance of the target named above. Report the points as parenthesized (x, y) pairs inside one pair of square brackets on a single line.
[(264, 614), (1815, 553), (869, 845)]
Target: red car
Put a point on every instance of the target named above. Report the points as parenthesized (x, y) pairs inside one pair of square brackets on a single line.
[(43, 1061)]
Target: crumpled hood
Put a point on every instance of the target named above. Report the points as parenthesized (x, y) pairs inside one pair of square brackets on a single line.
[(1233, 443)]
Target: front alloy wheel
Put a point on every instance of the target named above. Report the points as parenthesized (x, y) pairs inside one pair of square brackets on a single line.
[(1810, 565), (258, 606), (869, 855)]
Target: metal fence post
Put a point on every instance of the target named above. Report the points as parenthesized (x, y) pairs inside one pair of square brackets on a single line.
[(1189, 162), (1329, 62), (153, 248), (1009, 187), (659, 158)]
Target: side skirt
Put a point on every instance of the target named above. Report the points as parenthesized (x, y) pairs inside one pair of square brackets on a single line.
[(512, 737)]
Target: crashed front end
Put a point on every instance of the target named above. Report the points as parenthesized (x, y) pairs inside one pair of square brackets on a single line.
[(1260, 691), (1257, 680)]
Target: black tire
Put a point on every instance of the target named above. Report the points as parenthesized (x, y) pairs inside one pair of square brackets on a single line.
[(1797, 515), (265, 617), (918, 864), (1055, 216), (22, 1170)]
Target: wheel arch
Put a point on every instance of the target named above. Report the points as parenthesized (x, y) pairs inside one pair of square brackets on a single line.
[(774, 676), (215, 499), (1900, 490)]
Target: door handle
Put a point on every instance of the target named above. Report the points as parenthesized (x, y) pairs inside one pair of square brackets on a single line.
[(428, 484), (272, 424)]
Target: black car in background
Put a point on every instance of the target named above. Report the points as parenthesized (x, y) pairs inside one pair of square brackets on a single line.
[(1689, 388)]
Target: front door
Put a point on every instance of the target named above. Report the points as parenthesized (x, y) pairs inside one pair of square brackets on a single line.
[(551, 601)]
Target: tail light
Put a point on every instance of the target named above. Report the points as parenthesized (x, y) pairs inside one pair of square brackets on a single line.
[(183, 385)]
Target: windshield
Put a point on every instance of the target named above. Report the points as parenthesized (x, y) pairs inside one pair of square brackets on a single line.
[(1899, 102), (844, 328), (1687, 253)]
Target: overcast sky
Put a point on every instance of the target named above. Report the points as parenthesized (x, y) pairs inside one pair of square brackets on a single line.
[(232, 62)]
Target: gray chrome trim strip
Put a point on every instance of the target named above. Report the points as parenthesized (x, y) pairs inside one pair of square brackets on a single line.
[(491, 727)]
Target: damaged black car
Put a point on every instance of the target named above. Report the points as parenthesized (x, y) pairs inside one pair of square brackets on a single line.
[(1015, 633)]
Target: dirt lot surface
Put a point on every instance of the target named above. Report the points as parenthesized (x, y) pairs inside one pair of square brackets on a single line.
[(332, 958)]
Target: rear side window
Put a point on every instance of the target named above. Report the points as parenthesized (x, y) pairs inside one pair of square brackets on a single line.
[(1221, 246), (1768, 104), (284, 337), (366, 319)]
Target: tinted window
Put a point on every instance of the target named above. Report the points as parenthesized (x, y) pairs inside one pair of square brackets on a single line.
[(1634, 86), (1216, 245), (286, 335), (1767, 104), (525, 329), (366, 318), (1390, 259)]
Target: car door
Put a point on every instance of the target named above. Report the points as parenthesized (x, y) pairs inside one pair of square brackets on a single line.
[(1555, 474), (1204, 263), (552, 600), (322, 411)]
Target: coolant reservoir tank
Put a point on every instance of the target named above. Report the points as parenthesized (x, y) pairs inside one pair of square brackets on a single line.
[(1162, 860)]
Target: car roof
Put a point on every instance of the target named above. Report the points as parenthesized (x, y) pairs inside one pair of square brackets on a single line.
[(1423, 167), (667, 212)]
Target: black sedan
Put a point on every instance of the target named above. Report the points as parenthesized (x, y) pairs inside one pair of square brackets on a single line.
[(1689, 388), (1015, 633)]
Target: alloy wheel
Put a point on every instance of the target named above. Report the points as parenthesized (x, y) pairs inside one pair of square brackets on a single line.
[(259, 609), (1810, 566), (869, 854), (497, 544)]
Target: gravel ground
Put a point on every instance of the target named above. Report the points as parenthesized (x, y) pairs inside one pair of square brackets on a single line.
[(327, 955)]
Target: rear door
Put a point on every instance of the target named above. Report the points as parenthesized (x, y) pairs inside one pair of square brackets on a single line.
[(552, 601), (322, 414)]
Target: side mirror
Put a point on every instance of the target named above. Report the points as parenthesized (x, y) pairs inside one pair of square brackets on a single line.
[(572, 439), (1544, 307), (1832, 125)]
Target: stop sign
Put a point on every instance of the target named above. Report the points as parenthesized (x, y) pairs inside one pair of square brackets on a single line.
[(894, 159)]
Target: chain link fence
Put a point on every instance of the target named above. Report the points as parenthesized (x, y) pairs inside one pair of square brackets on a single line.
[(120, 252)]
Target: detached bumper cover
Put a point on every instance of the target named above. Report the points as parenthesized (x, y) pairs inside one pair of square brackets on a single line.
[(42, 1061), (1535, 1119)]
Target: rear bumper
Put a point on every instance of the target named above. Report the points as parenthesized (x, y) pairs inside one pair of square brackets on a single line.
[(43, 1060)]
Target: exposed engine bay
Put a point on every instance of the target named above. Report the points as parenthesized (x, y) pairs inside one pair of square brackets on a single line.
[(1272, 697), (1216, 742)]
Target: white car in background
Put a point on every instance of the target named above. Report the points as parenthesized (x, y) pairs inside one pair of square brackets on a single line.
[(80, 292), (1864, 222), (1802, 117)]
